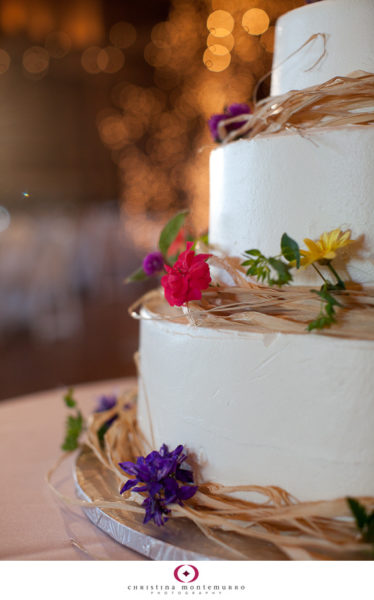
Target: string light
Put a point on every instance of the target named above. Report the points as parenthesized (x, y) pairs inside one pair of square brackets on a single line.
[(255, 21), (157, 57), (110, 59), (164, 34), (35, 60), (227, 41), (89, 59), (216, 58), (157, 169), (220, 23), (122, 34)]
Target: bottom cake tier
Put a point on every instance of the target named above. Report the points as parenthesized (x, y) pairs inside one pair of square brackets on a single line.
[(294, 411)]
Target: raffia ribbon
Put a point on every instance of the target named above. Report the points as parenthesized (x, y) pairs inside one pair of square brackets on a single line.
[(321, 529), (339, 102), (263, 309)]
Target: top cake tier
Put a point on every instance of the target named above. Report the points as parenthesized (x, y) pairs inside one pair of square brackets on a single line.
[(348, 28)]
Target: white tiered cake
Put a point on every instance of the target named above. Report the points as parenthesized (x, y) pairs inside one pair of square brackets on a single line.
[(294, 411)]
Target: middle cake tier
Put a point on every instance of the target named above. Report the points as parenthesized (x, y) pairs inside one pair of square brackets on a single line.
[(303, 186)]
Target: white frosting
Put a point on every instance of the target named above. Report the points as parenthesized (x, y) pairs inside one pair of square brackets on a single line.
[(287, 410), (349, 25), (304, 186)]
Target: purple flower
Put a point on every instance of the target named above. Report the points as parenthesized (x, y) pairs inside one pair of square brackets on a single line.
[(105, 403), (213, 123), (153, 263), (234, 110), (159, 475)]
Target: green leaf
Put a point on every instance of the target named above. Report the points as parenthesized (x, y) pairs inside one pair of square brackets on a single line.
[(359, 513), (73, 429), (284, 276), (326, 296), (170, 231), (327, 313), (369, 533), (290, 249), (318, 323), (69, 400), (138, 275), (101, 433), (262, 268), (204, 239)]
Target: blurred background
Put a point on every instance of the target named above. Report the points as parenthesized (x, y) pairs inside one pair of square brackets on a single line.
[(103, 110)]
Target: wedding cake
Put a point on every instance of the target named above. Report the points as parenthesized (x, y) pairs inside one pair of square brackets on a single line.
[(268, 407)]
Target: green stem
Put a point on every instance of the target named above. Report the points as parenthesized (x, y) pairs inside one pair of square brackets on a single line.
[(340, 282), (319, 273)]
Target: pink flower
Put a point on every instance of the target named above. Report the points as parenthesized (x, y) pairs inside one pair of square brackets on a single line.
[(185, 280)]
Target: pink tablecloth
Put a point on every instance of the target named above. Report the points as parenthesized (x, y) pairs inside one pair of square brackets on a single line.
[(33, 523)]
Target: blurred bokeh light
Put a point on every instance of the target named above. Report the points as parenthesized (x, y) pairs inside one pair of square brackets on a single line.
[(255, 21), (36, 61), (122, 34), (103, 119)]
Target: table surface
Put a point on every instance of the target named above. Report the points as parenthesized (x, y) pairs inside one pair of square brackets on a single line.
[(35, 525)]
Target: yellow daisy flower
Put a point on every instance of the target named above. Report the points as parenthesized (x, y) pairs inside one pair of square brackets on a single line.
[(325, 248)]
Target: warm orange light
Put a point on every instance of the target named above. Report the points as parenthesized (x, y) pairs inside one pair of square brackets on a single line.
[(220, 23), (58, 44), (164, 34), (110, 59), (4, 61), (113, 131), (229, 5), (248, 48), (142, 102), (211, 97), (227, 41), (122, 34), (218, 60), (40, 22), (267, 39), (255, 21), (13, 16), (185, 105), (166, 78), (156, 57), (89, 59), (35, 60), (83, 22)]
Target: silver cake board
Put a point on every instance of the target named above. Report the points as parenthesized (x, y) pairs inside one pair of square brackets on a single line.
[(178, 540)]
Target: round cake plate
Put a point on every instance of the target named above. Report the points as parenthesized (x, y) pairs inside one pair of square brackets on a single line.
[(178, 540)]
